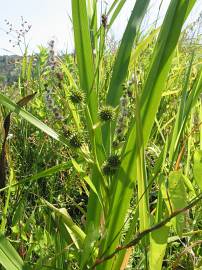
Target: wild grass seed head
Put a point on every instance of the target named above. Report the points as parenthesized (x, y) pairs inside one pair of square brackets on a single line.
[(106, 113), (76, 140), (76, 96), (108, 170), (114, 161), (51, 85), (122, 120)]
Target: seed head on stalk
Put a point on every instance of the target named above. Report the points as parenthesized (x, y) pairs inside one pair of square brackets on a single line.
[(76, 96), (76, 140), (106, 113)]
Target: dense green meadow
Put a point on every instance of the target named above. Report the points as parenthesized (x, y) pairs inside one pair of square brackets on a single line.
[(101, 150)]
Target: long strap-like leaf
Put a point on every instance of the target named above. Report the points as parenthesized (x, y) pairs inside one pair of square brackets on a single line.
[(3, 160), (121, 64), (162, 56), (86, 74)]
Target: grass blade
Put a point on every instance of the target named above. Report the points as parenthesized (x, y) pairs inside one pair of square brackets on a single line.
[(124, 53), (150, 99), (121, 64), (141, 173), (75, 232), (197, 169), (9, 258), (31, 119)]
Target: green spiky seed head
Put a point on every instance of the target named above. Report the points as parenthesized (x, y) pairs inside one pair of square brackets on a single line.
[(76, 140), (76, 96), (106, 114), (107, 169), (113, 161), (115, 144), (68, 131)]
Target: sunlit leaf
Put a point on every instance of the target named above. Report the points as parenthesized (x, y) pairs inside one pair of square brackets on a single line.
[(197, 169), (9, 258)]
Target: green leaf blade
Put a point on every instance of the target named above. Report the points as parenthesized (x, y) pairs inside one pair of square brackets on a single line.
[(9, 258)]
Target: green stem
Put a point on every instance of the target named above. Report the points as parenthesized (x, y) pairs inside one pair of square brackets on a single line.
[(5, 210), (200, 116)]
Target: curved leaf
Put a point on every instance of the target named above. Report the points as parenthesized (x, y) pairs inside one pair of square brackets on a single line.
[(9, 258)]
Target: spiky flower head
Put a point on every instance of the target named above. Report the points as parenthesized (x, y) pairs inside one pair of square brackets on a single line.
[(116, 144), (76, 96), (107, 169), (104, 20), (76, 140), (57, 113), (68, 131), (106, 113), (114, 161)]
